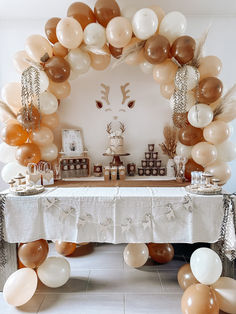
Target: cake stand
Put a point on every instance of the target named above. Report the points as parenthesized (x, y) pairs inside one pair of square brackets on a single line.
[(116, 162)]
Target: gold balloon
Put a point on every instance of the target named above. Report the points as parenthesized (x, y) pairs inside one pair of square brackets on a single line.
[(220, 170), (216, 132), (185, 277), (100, 62), (29, 119), (13, 134), (28, 153), (65, 248), (51, 120), (59, 90), (165, 71)]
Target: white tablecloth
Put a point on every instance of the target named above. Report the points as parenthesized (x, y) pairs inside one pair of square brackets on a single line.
[(115, 215)]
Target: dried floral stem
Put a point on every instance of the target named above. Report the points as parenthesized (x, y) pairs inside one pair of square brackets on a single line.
[(199, 50), (224, 103), (169, 145)]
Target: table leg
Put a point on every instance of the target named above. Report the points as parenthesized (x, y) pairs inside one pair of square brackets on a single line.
[(228, 266), (10, 251)]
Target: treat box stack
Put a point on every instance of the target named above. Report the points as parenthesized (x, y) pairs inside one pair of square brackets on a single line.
[(151, 165)]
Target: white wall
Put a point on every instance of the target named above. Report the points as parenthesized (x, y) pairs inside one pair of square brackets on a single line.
[(145, 122)]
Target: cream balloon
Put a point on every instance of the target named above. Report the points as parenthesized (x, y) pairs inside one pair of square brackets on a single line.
[(226, 151), (173, 25), (20, 286), (209, 66), (183, 150), (220, 170), (54, 272), (38, 47), (44, 81), (146, 67), (20, 61), (119, 32), (206, 265), (79, 60), (216, 132), (49, 152), (101, 61), (48, 103), (42, 136), (145, 23), (136, 254), (11, 94), (7, 153), (225, 289), (59, 90), (167, 90), (204, 153), (95, 35), (51, 120), (165, 72), (200, 115), (69, 33), (191, 101), (11, 169), (129, 12)]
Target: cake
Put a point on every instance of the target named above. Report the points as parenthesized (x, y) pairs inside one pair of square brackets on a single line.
[(116, 140)]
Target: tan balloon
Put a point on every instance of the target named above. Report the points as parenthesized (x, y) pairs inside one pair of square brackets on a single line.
[(65, 248), (160, 13), (167, 90), (225, 289), (135, 57), (20, 61), (69, 32), (210, 66), (216, 132), (136, 254), (49, 152), (100, 62), (185, 277), (165, 71), (38, 47), (59, 50), (33, 254), (11, 94), (204, 153), (119, 32), (59, 90), (220, 170), (51, 120), (42, 136)]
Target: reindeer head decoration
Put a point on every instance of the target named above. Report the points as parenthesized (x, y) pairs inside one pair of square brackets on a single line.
[(105, 102)]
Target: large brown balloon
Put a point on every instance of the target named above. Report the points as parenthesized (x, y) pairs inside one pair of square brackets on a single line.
[(190, 166), (50, 29), (57, 69), (161, 252), (190, 135), (157, 49), (105, 10), (13, 134), (199, 299), (210, 89), (115, 52), (29, 118), (33, 254), (82, 13), (183, 49), (185, 277), (65, 248), (28, 153)]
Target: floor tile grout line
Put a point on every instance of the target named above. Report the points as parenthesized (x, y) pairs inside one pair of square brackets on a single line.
[(86, 290), (41, 304), (159, 276), (124, 303)]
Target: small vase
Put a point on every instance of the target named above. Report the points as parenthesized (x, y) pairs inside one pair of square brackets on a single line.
[(170, 168)]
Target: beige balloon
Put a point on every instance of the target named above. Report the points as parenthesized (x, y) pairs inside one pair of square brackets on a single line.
[(20, 286), (51, 120), (216, 132), (204, 153), (167, 89), (220, 170), (136, 254), (38, 47), (69, 33), (165, 71), (49, 152), (59, 90), (225, 289), (135, 57), (11, 94), (42, 136), (100, 62), (210, 66), (160, 13), (59, 50), (20, 61), (119, 32)]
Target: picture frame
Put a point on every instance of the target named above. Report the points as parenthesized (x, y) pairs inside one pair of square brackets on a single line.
[(72, 142)]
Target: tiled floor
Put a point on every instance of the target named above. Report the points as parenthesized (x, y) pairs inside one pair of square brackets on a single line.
[(102, 283)]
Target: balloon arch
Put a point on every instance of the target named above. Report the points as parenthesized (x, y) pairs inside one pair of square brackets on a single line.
[(149, 38)]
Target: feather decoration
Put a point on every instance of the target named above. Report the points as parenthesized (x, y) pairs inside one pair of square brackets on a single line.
[(226, 112), (226, 102), (169, 145), (199, 50)]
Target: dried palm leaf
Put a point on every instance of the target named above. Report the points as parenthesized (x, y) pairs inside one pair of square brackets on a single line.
[(226, 103), (169, 145), (199, 50)]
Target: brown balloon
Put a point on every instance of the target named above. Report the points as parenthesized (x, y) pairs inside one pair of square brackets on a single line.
[(105, 10), (50, 29), (59, 50), (29, 118), (161, 252), (13, 134), (185, 277), (57, 69), (115, 52), (183, 49), (190, 135), (82, 13), (65, 248), (190, 166), (28, 153), (156, 49), (33, 254), (210, 89), (199, 299)]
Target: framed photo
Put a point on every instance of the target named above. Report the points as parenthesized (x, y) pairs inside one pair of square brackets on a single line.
[(72, 142)]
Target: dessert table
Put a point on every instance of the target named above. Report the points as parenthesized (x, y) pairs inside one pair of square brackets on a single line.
[(112, 214)]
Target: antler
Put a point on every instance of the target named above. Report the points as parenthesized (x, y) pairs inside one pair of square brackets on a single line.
[(105, 93), (125, 92), (109, 128), (122, 127)]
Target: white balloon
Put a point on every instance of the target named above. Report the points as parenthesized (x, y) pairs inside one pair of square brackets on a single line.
[(48, 103), (231, 129), (146, 67), (173, 25), (129, 12), (7, 153), (49, 152), (225, 289), (79, 61), (191, 101), (206, 265), (20, 286), (54, 272), (95, 35), (145, 23), (44, 81), (200, 115), (10, 170), (226, 151), (183, 150)]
